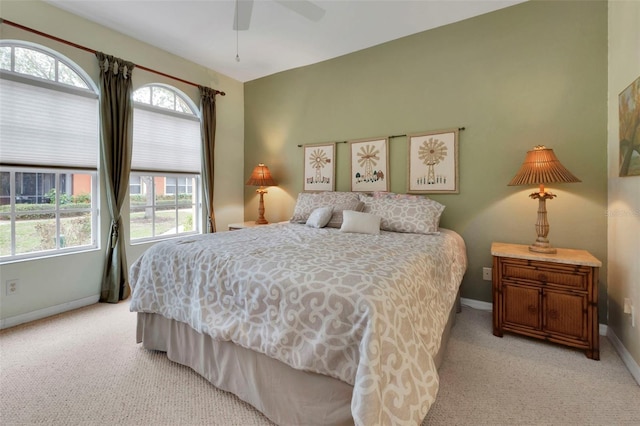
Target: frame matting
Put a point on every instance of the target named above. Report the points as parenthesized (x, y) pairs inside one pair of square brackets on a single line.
[(319, 167), (433, 162), (370, 164)]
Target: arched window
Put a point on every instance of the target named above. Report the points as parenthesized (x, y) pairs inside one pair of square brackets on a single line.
[(50, 153), (164, 185)]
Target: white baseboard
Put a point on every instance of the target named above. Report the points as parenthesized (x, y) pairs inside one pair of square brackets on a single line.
[(476, 304), (627, 359), (47, 312), (603, 330)]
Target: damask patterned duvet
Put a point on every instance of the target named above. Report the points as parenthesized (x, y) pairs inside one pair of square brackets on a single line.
[(366, 309)]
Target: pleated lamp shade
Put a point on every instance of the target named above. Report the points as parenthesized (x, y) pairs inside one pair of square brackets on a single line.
[(261, 176), (541, 166)]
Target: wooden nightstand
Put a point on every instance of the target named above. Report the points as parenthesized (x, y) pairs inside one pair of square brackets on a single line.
[(242, 225), (553, 297)]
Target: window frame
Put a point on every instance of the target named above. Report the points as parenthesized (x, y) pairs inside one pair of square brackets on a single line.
[(91, 91), (196, 205), (56, 210), (179, 101)]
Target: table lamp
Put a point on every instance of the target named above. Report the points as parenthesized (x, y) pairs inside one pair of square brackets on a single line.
[(541, 166), (261, 177)]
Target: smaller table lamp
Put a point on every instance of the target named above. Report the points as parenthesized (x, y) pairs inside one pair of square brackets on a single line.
[(261, 177), (542, 166)]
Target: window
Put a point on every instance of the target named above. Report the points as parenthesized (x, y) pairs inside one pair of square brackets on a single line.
[(164, 188), (135, 185), (49, 144), (178, 185)]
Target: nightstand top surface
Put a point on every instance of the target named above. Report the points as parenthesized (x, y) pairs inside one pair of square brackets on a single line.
[(569, 256), (241, 225)]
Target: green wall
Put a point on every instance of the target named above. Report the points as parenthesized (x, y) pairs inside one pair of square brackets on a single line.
[(534, 73)]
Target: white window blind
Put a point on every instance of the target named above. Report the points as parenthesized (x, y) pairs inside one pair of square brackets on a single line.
[(41, 126), (165, 142)]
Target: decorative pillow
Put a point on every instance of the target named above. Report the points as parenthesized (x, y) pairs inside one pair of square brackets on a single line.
[(307, 202), (419, 216), (336, 218), (361, 223), (320, 217)]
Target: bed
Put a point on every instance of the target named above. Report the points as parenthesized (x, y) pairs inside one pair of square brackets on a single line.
[(310, 324)]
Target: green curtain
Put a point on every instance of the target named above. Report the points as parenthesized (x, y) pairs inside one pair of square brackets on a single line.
[(116, 134), (208, 135)]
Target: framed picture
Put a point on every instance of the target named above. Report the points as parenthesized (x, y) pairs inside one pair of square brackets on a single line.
[(629, 116), (370, 164), (433, 162), (319, 167)]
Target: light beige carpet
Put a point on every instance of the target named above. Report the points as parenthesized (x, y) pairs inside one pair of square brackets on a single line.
[(84, 368)]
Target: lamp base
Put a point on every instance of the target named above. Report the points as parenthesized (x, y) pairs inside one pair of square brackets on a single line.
[(542, 226), (540, 247), (261, 220)]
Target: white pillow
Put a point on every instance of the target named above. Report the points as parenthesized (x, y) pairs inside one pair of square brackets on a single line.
[(362, 223), (320, 217), (336, 217)]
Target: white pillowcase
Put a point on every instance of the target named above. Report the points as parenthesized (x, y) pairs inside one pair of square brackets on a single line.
[(336, 217), (361, 223), (320, 217)]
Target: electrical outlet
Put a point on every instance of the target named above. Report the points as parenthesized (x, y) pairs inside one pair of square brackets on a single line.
[(633, 316), (486, 274), (627, 305), (12, 287)]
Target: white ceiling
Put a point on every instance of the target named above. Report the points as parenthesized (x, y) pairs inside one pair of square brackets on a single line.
[(278, 38)]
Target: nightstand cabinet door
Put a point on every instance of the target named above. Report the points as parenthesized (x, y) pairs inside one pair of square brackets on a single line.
[(566, 314), (523, 309)]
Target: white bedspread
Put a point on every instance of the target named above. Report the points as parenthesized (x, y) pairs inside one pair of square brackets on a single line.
[(366, 309)]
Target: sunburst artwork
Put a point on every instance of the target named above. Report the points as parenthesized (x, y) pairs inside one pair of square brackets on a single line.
[(433, 164), (318, 160), (369, 165), (319, 167), (432, 152)]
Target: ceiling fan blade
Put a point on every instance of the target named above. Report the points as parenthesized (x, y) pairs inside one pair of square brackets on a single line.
[(242, 16), (305, 8)]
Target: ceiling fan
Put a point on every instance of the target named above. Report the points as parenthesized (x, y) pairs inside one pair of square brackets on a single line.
[(306, 8)]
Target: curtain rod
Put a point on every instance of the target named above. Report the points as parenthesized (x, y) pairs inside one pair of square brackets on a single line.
[(77, 46), (390, 137)]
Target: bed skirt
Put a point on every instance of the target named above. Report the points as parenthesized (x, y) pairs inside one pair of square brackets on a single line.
[(285, 395)]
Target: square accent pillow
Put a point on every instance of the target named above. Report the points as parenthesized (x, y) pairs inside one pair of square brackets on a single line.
[(320, 217), (418, 216), (336, 218), (360, 223)]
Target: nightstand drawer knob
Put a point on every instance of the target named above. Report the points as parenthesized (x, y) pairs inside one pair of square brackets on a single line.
[(532, 309), (542, 277), (553, 314)]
